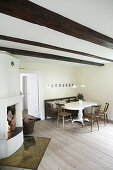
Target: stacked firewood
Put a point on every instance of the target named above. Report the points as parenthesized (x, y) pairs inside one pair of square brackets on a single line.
[(11, 117)]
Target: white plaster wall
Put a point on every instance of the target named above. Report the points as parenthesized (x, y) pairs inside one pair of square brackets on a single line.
[(99, 84), (54, 74)]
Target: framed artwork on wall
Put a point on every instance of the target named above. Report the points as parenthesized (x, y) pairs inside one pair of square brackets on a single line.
[(66, 85), (48, 85), (52, 85), (59, 85)]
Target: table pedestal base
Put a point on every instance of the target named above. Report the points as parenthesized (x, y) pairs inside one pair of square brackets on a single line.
[(80, 117), (78, 120)]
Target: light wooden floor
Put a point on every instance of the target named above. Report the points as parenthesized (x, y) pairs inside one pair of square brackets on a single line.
[(76, 148)]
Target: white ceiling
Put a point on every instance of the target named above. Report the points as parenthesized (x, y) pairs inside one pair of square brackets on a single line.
[(95, 14)]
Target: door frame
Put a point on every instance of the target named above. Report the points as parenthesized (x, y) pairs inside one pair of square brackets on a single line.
[(40, 81)]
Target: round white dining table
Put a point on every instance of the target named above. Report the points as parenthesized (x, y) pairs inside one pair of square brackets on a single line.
[(80, 105)]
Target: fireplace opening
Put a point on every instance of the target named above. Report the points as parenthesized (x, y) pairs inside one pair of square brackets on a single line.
[(12, 130), (11, 118)]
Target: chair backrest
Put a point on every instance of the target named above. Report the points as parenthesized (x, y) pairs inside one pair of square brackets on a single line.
[(106, 107), (60, 107), (71, 100), (95, 110)]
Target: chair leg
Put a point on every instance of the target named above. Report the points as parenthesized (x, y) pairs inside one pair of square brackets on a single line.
[(97, 122), (63, 121), (107, 118), (104, 119), (57, 119), (91, 124), (82, 124), (71, 119), (52, 118)]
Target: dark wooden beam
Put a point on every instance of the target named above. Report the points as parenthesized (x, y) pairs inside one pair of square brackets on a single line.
[(28, 11), (47, 56), (34, 43)]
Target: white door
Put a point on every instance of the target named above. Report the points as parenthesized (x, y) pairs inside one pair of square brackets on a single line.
[(32, 93)]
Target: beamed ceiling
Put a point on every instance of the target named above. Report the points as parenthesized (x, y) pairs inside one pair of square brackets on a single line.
[(74, 31)]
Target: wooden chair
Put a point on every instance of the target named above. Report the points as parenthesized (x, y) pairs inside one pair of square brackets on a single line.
[(62, 114), (103, 113), (93, 115)]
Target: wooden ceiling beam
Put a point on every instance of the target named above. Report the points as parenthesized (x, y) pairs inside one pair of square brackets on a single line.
[(28, 11), (47, 56), (38, 44)]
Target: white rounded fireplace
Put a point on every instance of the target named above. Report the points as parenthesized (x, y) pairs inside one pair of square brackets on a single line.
[(10, 141)]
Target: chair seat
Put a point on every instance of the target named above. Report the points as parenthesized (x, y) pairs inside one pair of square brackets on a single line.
[(101, 112), (55, 110), (88, 115), (64, 114)]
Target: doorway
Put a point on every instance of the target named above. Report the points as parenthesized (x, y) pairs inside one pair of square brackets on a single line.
[(29, 87)]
